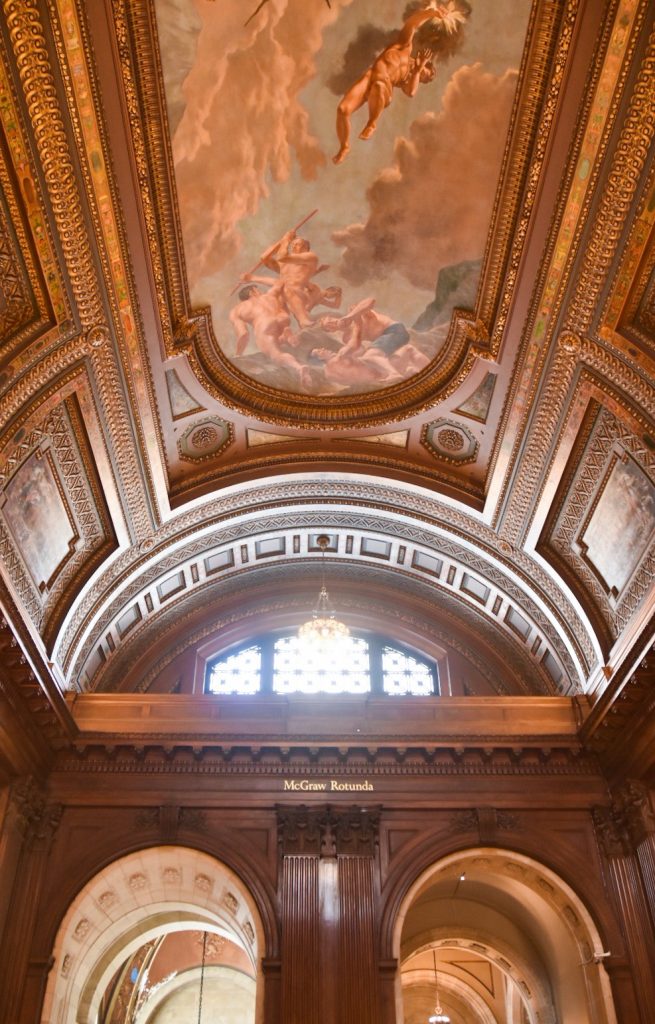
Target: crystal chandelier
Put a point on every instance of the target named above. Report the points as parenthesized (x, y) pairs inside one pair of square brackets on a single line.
[(438, 1017), (323, 629)]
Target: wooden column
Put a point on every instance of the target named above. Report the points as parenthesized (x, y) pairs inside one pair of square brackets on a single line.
[(640, 820), (30, 824), (300, 846), (329, 913), (617, 831), (357, 973)]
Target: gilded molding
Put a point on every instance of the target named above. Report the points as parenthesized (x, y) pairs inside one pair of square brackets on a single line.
[(62, 428), (565, 242), (620, 188), (545, 56), (577, 504), (427, 514), (45, 300), (573, 356), (32, 59), (513, 522), (17, 309), (469, 336), (88, 129)]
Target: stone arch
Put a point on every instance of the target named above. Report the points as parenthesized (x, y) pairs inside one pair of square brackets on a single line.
[(523, 918), (154, 891)]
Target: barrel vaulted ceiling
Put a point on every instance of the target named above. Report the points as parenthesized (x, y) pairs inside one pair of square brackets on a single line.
[(457, 391)]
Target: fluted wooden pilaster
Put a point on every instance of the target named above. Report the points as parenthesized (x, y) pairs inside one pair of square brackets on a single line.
[(30, 822), (622, 840), (357, 962), (301, 954)]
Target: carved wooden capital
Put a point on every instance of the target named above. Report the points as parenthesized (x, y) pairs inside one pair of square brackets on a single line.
[(632, 803), (169, 819), (35, 818), (328, 831), (486, 821), (613, 839), (622, 827)]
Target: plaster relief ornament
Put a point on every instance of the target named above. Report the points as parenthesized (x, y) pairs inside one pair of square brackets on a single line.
[(348, 271)]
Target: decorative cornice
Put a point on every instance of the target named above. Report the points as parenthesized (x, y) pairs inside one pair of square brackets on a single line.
[(33, 62), (619, 727), (378, 759)]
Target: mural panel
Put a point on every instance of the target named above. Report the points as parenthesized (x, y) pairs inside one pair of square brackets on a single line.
[(39, 520), (336, 166), (621, 526)]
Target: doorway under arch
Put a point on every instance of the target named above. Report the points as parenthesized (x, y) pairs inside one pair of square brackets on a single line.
[(141, 922), (495, 935)]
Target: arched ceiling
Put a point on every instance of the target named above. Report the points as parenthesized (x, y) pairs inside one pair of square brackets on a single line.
[(162, 484)]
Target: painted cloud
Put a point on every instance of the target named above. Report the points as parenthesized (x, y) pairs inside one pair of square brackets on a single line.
[(431, 208), (244, 123)]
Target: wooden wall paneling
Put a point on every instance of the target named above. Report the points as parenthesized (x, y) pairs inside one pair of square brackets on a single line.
[(31, 825), (633, 810), (272, 971), (626, 886), (357, 975), (329, 914), (302, 954)]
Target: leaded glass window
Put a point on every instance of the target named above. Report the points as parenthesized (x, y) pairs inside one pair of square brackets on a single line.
[(405, 676), (236, 673), (299, 669), (286, 665)]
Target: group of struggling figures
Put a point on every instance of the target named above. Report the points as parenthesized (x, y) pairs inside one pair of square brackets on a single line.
[(365, 347)]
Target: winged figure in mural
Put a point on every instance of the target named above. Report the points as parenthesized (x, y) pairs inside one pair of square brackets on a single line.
[(395, 68)]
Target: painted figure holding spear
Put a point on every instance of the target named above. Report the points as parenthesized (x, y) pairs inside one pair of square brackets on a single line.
[(292, 258)]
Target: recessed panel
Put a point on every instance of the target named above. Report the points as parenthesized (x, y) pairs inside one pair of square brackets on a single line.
[(620, 529), (39, 519)]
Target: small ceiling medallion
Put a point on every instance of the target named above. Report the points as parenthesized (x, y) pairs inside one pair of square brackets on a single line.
[(450, 441)]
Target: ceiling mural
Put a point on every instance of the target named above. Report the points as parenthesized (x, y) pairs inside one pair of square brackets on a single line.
[(336, 166)]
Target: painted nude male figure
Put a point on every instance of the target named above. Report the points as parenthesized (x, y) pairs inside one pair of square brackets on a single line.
[(394, 68), (266, 313), (375, 347), (292, 258)]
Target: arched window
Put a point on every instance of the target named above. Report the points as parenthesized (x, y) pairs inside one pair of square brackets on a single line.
[(284, 664)]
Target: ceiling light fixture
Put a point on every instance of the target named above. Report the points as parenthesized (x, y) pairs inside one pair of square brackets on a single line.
[(323, 629), (438, 1017)]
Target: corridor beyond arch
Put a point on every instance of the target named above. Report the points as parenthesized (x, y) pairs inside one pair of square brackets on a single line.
[(157, 892), (507, 936)]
